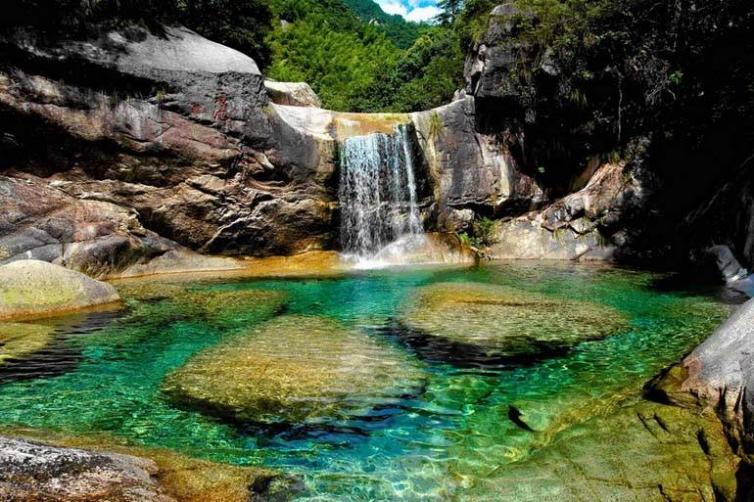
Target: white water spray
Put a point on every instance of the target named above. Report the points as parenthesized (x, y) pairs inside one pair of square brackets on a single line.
[(380, 218)]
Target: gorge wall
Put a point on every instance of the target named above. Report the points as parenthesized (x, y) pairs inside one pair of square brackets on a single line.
[(138, 146)]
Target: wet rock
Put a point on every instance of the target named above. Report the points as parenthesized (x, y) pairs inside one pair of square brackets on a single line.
[(645, 451), (36, 288), (294, 370), (33, 471), (79, 469), (18, 340), (506, 322)]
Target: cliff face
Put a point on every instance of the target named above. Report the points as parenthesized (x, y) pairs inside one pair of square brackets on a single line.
[(641, 149), (136, 144)]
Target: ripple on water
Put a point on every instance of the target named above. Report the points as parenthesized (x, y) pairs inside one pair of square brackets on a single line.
[(436, 428)]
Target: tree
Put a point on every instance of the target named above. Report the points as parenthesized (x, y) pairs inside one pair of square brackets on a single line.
[(450, 10)]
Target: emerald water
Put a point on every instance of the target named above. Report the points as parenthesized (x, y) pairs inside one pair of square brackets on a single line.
[(104, 375)]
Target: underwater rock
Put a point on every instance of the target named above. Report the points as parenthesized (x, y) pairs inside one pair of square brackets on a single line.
[(235, 306), (294, 370), (36, 288), (646, 451), (18, 340), (506, 322), (33, 471)]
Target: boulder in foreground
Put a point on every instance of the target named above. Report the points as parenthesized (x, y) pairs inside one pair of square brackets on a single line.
[(294, 369), (31, 288)]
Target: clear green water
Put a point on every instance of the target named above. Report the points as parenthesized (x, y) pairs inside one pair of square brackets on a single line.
[(431, 446)]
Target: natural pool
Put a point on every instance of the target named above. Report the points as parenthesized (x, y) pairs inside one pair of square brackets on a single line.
[(448, 427)]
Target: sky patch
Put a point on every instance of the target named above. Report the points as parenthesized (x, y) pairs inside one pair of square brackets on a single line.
[(411, 10)]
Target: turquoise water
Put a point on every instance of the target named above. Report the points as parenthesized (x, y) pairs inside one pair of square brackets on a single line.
[(103, 375)]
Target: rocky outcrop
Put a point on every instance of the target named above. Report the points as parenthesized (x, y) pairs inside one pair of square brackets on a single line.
[(472, 172), (33, 471), (719, 375), (31, 288), (589, 224), (292, 94), (171, 137)]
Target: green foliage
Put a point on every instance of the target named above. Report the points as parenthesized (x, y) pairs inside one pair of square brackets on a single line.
[(484, 231), (355, 66), (401, 32)]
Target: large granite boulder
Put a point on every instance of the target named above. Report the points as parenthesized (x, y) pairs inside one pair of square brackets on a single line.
[(588, 224), (292, 94), (30, 288), (499, 321), (719, 375), (171, 136), (294, 370), (645, 451)]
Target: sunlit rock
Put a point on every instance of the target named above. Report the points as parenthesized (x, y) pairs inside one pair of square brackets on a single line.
[(37, 288), (642, 452), (503, 321), (294, 369)]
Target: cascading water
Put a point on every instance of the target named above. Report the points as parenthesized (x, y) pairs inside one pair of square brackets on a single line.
[(380, 217)]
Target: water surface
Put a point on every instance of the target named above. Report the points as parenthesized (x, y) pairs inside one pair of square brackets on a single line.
[(103, 375)]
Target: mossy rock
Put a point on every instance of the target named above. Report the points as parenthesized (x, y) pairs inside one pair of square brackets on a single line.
[(503, 321), (295, 370), (30, 288), (233, 306), (646, 451), (18, 340)]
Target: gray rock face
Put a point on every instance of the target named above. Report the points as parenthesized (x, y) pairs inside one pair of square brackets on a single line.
[(720, 375), (470, 170), (580, 226), (32, 471), (151, 143)]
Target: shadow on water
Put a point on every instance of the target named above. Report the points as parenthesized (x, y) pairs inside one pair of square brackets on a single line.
[(60, 356), (437, 349)]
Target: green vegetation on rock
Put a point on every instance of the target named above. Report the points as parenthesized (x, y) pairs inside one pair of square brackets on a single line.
[(508, 322), (294, 369)]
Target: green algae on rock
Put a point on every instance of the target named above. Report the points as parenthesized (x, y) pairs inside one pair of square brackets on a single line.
[(19, 339), (295, 369), (507, 322), (31, 288), (645, 451)]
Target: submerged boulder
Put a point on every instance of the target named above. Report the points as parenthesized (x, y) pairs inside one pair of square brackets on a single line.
[(294, 369), (234, 306), (645, 451), (19, 339), (506, 322), (36, 288)]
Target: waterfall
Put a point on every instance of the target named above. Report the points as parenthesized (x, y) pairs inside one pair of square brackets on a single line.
[(377, 195)]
